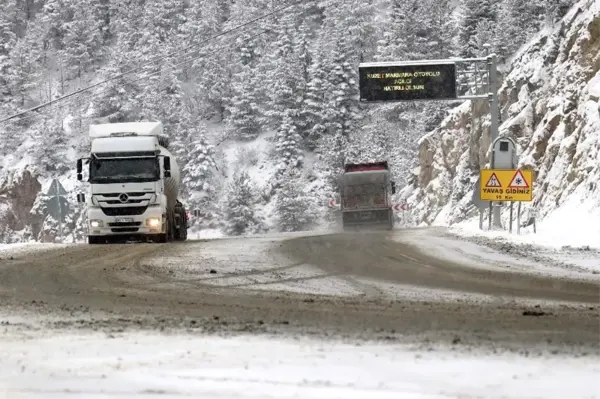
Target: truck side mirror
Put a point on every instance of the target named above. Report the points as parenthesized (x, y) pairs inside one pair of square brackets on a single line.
[(167, 166), (81, 198), (393, 187), (79, 169)]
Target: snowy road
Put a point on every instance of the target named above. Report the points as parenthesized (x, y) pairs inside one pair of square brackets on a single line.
[(403, 294)]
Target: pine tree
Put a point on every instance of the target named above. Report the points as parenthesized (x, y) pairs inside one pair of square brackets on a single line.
[(295, 210), (285, 84), (438, 29), (244, 112), (83, 39), (239, 215), (200, 165), (288, 144), (312, 114), (474, 13), (341, 107), (8, 40), (163, 20), (348, 28), (198, 177), (398, 41)]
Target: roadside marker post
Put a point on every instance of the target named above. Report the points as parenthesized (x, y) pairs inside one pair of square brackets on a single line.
[(400, 207)]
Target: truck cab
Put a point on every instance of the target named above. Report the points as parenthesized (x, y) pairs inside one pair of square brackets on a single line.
[(132, 187)]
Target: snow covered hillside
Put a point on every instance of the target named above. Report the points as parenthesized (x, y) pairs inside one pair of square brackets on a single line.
[(285, 84), (550, 104)]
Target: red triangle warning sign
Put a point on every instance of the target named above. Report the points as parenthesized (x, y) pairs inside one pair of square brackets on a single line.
[(518, 181), (493, 182)]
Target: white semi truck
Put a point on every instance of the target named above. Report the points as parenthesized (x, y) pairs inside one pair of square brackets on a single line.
[(133, 185)]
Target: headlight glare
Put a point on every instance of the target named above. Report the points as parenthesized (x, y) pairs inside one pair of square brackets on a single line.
[(96, 223), (153, 222)]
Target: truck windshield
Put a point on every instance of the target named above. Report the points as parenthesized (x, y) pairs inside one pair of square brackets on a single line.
[(124, 170)]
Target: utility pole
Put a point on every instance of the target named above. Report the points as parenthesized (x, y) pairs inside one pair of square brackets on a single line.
[(495, 214)]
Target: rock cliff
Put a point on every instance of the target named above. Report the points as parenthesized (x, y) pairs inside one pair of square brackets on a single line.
[(549, 104)]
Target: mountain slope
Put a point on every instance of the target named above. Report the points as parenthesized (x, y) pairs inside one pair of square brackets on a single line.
[(549, 105)]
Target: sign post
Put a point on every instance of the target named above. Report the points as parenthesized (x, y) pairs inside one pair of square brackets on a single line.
[(502, 185), (57, 202), (450, 79)]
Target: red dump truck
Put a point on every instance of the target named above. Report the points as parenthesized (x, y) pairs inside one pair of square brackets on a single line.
[(366, 196)]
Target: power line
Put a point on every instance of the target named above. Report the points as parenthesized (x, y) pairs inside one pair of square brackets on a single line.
[(148, 75), (133, 70)]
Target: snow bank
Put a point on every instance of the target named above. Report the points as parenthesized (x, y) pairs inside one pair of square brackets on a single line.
[(148, 365), (24, 247), (556, 231)]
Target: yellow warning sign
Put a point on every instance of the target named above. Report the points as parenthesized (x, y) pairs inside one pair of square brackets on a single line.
[(506, 185)]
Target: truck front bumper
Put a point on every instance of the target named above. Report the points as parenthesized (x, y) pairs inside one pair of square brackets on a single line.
[(152, 221)]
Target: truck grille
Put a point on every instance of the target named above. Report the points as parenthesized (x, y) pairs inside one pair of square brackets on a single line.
[(126, 224), (114, 199), (114, 195), (122, 211), (124, 229), (131, 201)]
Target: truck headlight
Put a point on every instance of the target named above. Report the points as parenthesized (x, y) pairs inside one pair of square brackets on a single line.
[(153, 222), (96, 223)]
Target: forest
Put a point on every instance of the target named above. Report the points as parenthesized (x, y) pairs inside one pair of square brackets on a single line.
[(290, 78)]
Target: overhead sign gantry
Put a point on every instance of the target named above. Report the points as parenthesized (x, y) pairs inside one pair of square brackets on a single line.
[(449, 79)]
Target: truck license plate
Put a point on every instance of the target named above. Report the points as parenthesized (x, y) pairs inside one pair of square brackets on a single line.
[(124, 220)]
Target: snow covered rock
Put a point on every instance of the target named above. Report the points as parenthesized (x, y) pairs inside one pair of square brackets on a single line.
[(18, 190), (549, 105)]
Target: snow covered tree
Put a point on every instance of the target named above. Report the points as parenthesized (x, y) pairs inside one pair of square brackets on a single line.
[(83, 39), (348, 28), (198, 177), (244, 118), (163, 20), (8, 40), (474, 13), (285, 82), (244, 111), (341, 106), (295, 210), (288, 144), (398, 42), (200, 165), (239, 214), (312, 114)]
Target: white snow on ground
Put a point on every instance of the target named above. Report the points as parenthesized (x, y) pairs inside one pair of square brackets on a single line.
[(575, 224), (254, 263), (204, 234), (149, 366), (24, 247), (251, 263), (535, 260), (461, 252), (559, 236)]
